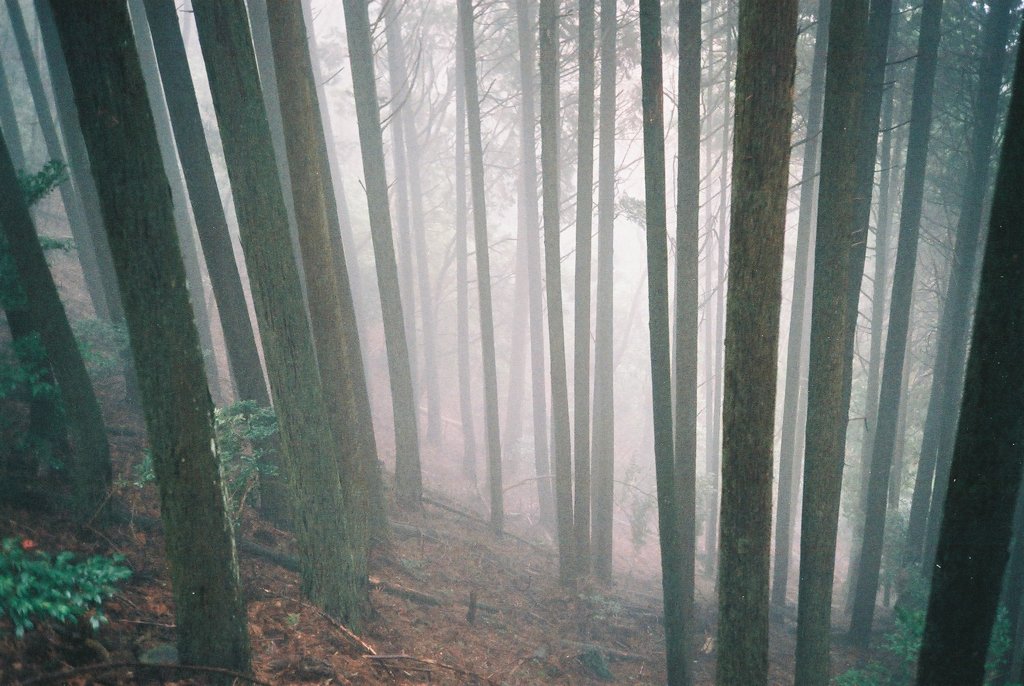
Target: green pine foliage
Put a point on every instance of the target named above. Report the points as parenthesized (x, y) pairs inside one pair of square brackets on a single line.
[(36, 587)]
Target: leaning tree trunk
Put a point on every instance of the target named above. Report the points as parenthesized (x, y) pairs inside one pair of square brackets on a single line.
[(764, 106), (899, 322), (792, 401), (211, 221), (332, 313), (549, 125), (675, 593), (483, 266), (409, 480), (603, 442), (976, 524), (99, 281), (825, 439), (332, 567), (38, 309), (954, 329), (136, 206)]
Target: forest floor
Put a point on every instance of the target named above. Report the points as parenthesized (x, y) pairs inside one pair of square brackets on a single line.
[(526, 629)]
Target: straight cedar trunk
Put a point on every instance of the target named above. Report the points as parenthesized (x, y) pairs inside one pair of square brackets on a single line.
[(686, 315), (879, 284), (581, 308), (84, 225), (332, 313), (483, 265), (954, 330), (976, 525), (409, 480), (764, 107), (869, 565), (35, 308), (462, 272), (527, 212), (136, 206), (675, 593), (549, 134), (399, 94), (713, 462), (825, 439), (332, 567), (417, 247), (877, 49), (793, 395), (204, 196), (602, 481)]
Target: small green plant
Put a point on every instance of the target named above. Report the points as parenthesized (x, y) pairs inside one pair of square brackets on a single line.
[(35, 586), (104, 345), (245, 444)]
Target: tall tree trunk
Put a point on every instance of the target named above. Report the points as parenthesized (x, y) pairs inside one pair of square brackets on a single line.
[(332, 313), (687, 319), (714, 456), (399, 93), (603, 442), (136, 205), (899, 321), (825, 438), (793, 398), (581, 309), (179, 196), (407, 450), (211, 222), (84, 224), (675, 592), (880, 280), (462, 271), (340, 221), (483, 265), (984, 479), (549, 134), (764, 106), (417, 246), (332, 568), (954, 331), (528, 215)]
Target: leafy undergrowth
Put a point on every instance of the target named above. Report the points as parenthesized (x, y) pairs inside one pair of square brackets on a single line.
[(524, 629)]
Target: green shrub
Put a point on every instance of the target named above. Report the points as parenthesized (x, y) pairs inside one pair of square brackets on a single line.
[(245, 444), (36, 587)]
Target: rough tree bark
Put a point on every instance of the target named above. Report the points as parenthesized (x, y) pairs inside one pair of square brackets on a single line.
[(825, 439), (121, 139), (765, 67), (332, 567)]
